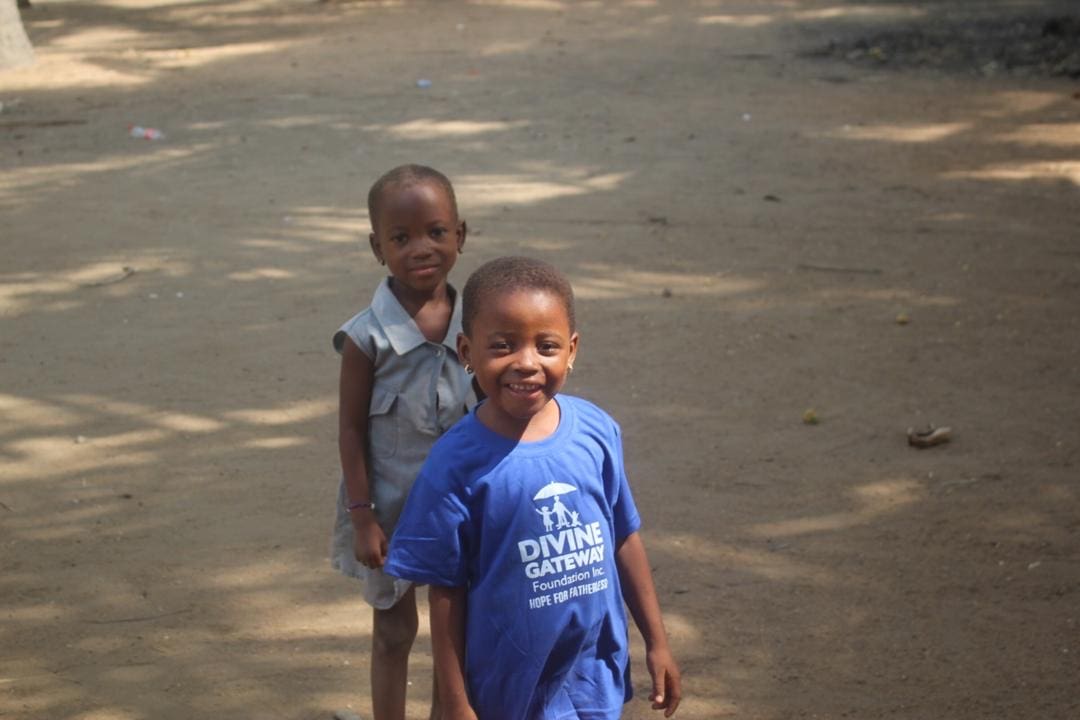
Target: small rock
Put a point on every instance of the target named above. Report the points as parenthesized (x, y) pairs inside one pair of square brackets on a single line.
[(902, 319), (79, 440), (666, 292), (345, 715), (810, 417)]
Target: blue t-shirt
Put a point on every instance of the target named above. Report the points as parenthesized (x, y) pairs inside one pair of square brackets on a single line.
[(531, 530)]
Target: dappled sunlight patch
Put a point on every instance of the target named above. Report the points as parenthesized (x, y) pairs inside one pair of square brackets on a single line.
[(861, 12), (872, 500), (680, 629), (507, 47), (263, 273), (769, 565), (894, 133), (277, 443), (548, 5), (430, 129), (1052, 134), (178, 421), (20, 292), (322, 224), (1046, 170), (21, 412), (610, 283), (295, 412), (740, 21), (16, 187), (1019, 102), (53, 456), (482, 191)]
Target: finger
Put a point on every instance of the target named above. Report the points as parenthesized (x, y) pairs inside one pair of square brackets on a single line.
[(657, 695), (674, 696)]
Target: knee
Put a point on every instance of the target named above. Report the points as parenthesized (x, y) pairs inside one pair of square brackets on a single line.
[(394, 632)]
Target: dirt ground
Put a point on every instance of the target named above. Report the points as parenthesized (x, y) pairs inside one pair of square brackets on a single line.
[(755, 229)]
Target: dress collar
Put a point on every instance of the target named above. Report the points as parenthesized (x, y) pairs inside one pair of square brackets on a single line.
[(401, 329)]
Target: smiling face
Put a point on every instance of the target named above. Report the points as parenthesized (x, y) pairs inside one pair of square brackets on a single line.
[(418, 235), (520, 346)]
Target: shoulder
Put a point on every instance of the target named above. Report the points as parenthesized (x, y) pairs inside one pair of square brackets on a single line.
[(589, 417), (460, 453), (358, 328)]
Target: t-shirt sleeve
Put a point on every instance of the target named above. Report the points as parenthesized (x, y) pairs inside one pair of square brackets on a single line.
[(358, 330), (624, 512), (429, 541)]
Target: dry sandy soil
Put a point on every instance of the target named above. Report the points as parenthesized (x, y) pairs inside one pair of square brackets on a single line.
[(744, 220)]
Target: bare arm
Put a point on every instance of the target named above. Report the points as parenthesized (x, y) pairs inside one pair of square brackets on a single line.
[(640, 595), (357, 378), (448, 648)]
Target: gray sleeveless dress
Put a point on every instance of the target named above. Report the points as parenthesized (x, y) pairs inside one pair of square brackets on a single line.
[(420, 390)]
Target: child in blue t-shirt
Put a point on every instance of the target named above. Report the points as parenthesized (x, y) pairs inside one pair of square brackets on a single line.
[(523, 523), (402, 386)]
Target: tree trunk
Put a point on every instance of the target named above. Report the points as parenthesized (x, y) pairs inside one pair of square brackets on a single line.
[(15, 49)]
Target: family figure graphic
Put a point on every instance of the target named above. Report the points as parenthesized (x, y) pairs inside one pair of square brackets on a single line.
[(563, 516)]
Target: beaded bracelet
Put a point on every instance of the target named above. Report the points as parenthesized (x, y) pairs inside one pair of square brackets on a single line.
[(362, 504)]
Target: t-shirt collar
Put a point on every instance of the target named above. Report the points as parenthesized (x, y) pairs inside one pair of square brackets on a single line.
[(401, 329)]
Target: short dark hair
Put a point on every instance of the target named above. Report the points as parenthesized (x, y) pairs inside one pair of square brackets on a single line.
[(507, 274), (407, 175)]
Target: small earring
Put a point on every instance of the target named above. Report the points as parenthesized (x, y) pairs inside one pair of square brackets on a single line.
[(468, 368), (570, 367)]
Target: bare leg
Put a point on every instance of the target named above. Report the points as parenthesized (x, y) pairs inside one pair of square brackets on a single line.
[(436, 708), (391, 641)]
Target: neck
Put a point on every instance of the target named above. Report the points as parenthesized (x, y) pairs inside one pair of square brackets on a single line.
[(539, 427), (414, 301)]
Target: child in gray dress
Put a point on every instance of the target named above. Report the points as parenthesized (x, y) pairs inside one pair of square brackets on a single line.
[(401, 387)]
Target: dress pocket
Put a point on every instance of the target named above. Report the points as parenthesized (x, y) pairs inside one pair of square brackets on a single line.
[(382, 424)]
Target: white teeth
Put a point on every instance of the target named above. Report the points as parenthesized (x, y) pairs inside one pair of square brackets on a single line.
[(523, 388)]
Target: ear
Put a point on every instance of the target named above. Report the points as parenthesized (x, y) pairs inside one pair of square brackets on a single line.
[(462, 231), (375, 248), (463, 349), (573, 347)]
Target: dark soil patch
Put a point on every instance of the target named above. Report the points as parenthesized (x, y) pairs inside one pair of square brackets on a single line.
[(1020, 46)]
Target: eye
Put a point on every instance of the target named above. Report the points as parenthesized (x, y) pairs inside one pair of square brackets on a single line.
[(438, 233), (548, 347), (499, 347), (399, 239)]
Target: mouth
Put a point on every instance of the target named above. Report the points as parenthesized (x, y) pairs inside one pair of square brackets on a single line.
[(524, 388)]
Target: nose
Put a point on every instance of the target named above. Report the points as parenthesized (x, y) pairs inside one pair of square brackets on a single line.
[(526, 361), (421, 246)]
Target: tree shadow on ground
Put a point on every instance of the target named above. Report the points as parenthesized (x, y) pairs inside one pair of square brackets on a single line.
[(167, 438)]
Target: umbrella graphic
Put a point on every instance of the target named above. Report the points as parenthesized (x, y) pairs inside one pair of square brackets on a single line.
[(552, 489)]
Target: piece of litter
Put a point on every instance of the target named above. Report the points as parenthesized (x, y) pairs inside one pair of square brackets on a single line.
[(423, 83), (929, 437), (145, 133), (179, 294), (746, 117), (902, 319), (80, 439), (810, 417), (1032, 566)]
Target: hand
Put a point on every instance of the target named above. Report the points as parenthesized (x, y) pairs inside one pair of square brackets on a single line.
[(666, 682), (369, 544)]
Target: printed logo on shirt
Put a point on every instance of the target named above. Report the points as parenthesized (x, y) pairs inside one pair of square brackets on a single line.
[(566, 560)]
